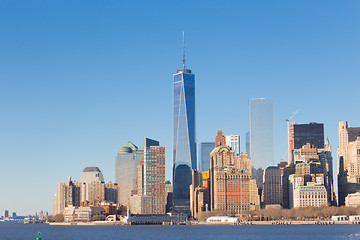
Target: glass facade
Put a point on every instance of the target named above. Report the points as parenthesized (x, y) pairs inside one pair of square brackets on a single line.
[(312, 133), (205, 149), (233, 141), (184, 145), (261, 125), (127, 159)]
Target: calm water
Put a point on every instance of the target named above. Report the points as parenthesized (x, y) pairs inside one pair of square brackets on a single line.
[(15, 231)]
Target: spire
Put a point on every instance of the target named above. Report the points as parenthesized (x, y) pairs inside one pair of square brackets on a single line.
[(183, 50), (327, 142)]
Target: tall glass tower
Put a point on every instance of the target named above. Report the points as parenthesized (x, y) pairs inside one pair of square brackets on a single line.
[(184, 145), (261, 124)]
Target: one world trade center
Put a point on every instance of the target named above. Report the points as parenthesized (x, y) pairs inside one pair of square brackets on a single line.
[(184, 145)]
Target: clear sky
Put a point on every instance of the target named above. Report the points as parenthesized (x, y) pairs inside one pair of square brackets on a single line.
[(81, 78)]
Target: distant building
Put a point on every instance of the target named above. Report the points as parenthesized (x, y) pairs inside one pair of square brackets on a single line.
[(348, 161), (14, 214), (301, 134), (272, 186), (155, 219), (205, 149), (168, 195), (310, 196), (154, 174), (247, 143), (254, 196), (352, 200), (6, 213), (233, 141), (184, 140), (229, 185), (71, 193), (149, 197), (127, 160), (76, 194), (261, 128), (90, 174), (141, 204), (81, 214), (199, 192)]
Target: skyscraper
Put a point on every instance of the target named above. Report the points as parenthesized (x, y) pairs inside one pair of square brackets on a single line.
[(184, 145), (205, 149), (348, 161), (301, 134), (233, 141), (261, 125), (247, 144), (127, 159), (154, 174)]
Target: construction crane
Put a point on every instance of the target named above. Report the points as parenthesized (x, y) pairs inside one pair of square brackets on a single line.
[(288, 132)]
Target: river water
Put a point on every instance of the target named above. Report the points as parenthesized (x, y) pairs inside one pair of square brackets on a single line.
[(19, 231)]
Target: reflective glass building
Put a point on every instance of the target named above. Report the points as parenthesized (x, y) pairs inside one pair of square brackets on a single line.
[(127, 159), (205, 149), (261, 125), (184, 145)]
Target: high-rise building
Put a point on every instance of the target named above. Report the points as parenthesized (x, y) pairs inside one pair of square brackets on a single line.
[(272, 186), (301, 134), (348, 161), (261, 132), (247, 144), (233, 141), (127, 159), (312, 167), (6, 213), (184, 144), (231, 188), (149, 197), (154, 174), (205, 149), (90, 174), (69, 193)]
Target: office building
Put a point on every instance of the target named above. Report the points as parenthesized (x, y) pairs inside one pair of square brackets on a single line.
[(310, 196), (352, 200), (127, 160), (205, 149), (233, 141), (272, 186), (247, 143), (6, 214), (71, 193), (154, 175), (184, 145), (149, 196), (230, 185), (348, 161), (301, 134), (261, 132), (199, 192), (90, 174)]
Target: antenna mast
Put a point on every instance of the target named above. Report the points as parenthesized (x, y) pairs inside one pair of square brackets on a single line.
[(183, 50)]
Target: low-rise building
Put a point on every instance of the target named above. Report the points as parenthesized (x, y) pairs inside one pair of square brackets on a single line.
[(310, 196), (140, 219), (352, 200), (222, 219)]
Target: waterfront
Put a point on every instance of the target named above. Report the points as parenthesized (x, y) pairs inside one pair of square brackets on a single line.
[(19, 231)]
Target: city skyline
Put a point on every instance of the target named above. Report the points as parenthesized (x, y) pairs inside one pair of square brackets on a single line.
[(71, 102)]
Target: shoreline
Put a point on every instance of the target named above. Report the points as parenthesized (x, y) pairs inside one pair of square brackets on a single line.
[(284, 223)]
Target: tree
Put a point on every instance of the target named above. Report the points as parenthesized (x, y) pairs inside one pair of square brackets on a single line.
[(98, 218), (57, 218)]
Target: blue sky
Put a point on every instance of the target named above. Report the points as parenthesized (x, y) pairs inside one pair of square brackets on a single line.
[(81, 78)]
